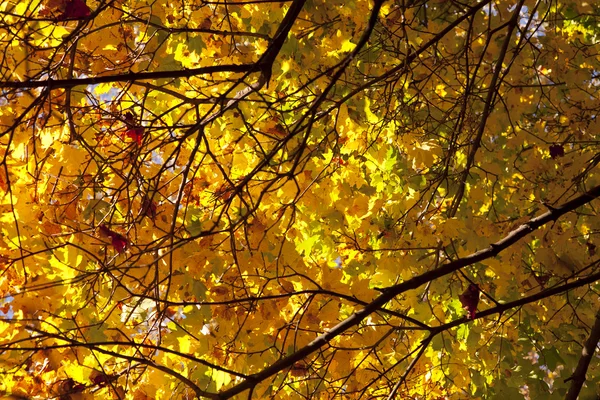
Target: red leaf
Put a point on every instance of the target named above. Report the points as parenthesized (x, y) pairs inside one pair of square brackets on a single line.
[(100, 380), (557, 150), (78, 388), (129, 118), (75, 9), (118, 241), (136, 133), (591, 247), (148, 208), (133, 131), (469, 300), (104, 230), (70, 386)]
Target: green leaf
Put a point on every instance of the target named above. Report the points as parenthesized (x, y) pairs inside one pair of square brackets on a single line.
[(463, 332), (551, 358), (98, 208)]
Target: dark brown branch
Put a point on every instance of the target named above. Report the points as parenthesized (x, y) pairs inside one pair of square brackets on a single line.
[(266, 61), (169, 371), (393, 291), (414, 361), (403, 67), (264, 65), (587, 352), (521, 302), (71, 344), (487, 110), (588, 349), (418, 324), (133, 76)]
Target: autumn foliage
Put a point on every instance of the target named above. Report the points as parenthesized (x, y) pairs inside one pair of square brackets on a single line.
[(319, 199)]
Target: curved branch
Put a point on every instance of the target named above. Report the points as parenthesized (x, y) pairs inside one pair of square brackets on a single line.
[(71, 344), (521, 302), (393, 291), (169, 371), (487, 110), (423, 346), (588, 351)]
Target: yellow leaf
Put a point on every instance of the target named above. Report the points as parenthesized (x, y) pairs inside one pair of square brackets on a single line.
[(184, 344)]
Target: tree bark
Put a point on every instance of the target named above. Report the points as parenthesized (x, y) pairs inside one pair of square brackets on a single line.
[(589, 348)]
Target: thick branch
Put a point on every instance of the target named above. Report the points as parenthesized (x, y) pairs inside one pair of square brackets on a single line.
[(264, 65), (268, 58), (487, 110), (130, 77), (589, 348), (393, 291), (521, 302)]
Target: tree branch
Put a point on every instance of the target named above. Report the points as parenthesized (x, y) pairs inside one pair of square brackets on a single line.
[(521, 302), (393, 291), (589, 348), (487, 110), (146, 361), (133, 76)]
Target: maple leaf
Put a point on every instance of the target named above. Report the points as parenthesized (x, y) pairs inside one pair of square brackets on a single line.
[(136, 133), (302, 164), (74, 10), (134, 130), (69, 386), (148, 208), (541, 279), (557, 150), (591, 248), (469, 300), (118, 241), (101, 379)]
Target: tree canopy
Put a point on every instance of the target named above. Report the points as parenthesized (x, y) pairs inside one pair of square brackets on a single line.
[(317, 199)]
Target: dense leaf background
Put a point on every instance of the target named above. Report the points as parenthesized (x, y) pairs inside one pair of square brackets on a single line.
[(291, 199)]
